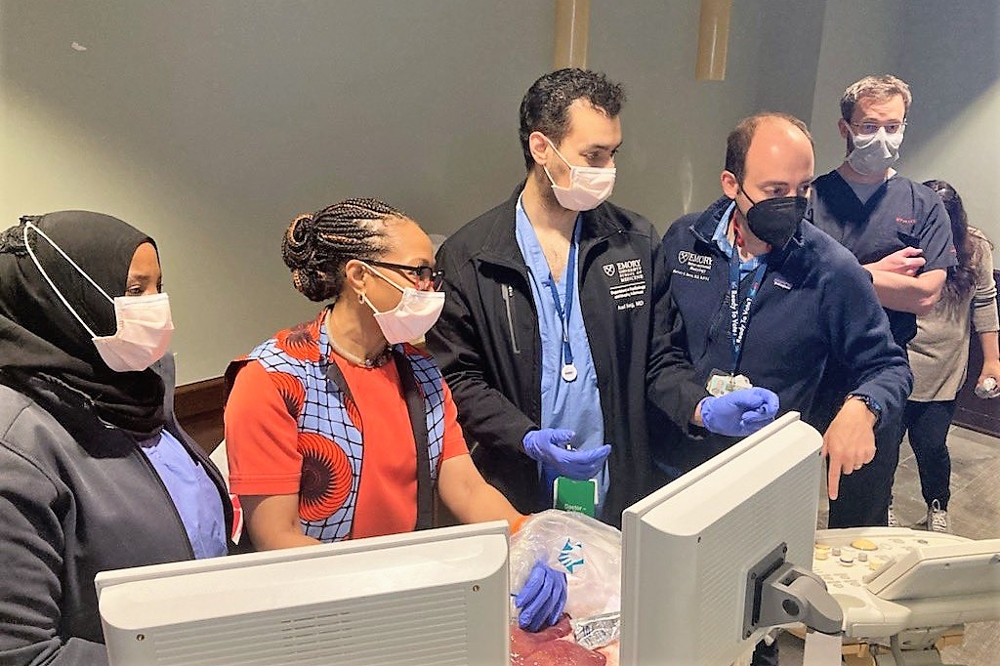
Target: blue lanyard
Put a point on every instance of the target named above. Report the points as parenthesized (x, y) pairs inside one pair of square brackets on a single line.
[(564, 314), (740, 317)]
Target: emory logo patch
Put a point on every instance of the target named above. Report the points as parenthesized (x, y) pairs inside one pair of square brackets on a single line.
[(694, 259), (693, 265), (626, 284)]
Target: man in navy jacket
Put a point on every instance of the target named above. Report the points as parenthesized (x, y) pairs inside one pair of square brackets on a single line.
[(767, 297)]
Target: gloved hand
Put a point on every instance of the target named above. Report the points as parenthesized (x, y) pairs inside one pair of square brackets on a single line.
[(542, 599), (551, 448), (739, 413)]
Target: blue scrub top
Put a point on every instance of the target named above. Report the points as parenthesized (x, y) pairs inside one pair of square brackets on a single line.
[(194, 494), (574, 405)]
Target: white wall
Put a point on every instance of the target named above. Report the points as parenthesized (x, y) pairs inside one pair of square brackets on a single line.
[(674, 127), (210, 124), (951, 59)]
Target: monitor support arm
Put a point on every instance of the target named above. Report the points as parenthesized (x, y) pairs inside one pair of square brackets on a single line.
[(779, 592), (792, 594)]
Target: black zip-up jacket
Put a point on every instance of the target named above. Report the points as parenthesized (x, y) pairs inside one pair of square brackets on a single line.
[(76, 498), (487, 343)]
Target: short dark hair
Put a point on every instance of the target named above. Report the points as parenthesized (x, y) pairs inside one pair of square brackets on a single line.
[(545, 107), (881, 86), (316, 247), (739, 140)]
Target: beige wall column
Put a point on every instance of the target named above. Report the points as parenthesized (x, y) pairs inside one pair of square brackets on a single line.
[(713, 40), (572, 26)]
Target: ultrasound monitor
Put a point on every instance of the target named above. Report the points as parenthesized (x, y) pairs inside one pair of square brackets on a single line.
[(715, 558), (434, 597)]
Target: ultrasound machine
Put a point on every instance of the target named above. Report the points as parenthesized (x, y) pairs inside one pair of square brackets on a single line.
[(902, 591)]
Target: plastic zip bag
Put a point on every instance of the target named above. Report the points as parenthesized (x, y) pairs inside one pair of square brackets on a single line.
[(587, 550)]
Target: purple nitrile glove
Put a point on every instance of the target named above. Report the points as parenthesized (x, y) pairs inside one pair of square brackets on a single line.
[(739, 413), (542, 599), (551, 448)]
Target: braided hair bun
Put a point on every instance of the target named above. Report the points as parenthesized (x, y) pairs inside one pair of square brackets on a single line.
[(316, 247)]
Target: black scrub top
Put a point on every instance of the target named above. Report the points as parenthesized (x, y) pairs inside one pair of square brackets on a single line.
[(901, 213)]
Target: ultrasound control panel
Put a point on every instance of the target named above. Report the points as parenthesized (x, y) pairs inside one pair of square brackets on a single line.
[(891, 579)]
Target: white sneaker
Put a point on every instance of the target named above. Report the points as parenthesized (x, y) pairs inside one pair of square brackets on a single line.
[(937, 518), (892, 518)]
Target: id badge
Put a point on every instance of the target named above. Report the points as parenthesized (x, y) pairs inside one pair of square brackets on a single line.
[(571, 495), (720, 383)]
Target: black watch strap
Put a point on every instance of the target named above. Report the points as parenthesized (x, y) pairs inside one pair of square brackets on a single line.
[(870, 403)]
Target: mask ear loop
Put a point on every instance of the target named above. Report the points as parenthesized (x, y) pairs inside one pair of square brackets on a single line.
[(737, 235), (72, 263), (572, 169)]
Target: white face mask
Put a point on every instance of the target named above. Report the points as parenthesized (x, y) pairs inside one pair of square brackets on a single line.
[(144, 330), (588, 187), (412, 317), (144, 326), (874, 153)]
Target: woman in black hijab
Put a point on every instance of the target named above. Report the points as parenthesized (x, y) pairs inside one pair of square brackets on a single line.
[(93, 475)]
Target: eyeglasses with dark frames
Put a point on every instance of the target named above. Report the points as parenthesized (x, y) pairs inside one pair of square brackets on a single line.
[(422, 277)]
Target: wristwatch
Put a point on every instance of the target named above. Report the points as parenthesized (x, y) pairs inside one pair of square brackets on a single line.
[(870, 403)]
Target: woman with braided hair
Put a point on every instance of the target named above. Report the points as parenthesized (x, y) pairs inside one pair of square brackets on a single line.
[(339, 428)]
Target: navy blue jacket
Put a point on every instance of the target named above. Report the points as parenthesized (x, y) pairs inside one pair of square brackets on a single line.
[(815, 306)]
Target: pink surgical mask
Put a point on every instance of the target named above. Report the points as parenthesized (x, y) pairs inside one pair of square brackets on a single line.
[(412, 317), (588, 187), (142, 335), (143, 328)]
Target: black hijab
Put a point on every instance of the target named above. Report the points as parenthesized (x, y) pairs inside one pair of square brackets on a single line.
[(40, 339)]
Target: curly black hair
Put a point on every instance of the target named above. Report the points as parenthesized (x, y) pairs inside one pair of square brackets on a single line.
[(12, 239), (545, 107), (962, 277)]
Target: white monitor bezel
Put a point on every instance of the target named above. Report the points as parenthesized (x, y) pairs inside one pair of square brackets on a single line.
[(807, 446), (252, 608)]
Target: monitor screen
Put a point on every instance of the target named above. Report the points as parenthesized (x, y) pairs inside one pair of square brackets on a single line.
[(433, 597), (689, 548)]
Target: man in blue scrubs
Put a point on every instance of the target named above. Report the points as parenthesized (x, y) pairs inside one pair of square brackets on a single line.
[(899, 231), (557, 335)]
